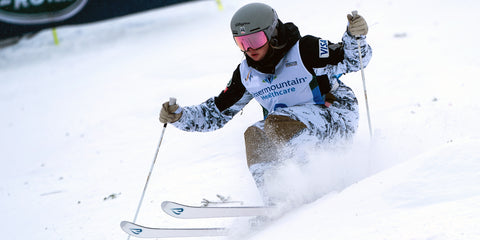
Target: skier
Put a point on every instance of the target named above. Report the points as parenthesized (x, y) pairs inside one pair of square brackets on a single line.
[(295, 79)]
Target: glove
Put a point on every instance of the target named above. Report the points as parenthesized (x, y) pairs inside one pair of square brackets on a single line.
[(356, 25), (169, 113)]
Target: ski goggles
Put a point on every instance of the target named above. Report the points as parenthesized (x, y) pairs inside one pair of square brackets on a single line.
[(253, 41)]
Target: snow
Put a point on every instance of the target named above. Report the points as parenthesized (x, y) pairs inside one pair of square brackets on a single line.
[(79, 127), (432, 196)]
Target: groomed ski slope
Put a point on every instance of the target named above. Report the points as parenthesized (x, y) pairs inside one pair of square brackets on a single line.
[(79, 127)]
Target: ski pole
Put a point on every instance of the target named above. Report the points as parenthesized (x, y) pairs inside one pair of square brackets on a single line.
[(354, 13), (171, 102)]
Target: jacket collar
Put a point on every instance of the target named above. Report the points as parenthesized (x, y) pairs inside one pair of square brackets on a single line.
[(288, 35)]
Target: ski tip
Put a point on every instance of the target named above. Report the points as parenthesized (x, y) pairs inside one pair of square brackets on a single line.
[(165, 203), (133, 229), (173, 209), (125, 224), (170, 203)]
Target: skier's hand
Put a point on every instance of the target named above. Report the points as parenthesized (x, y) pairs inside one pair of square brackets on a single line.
[(357, 25), (169, 113)]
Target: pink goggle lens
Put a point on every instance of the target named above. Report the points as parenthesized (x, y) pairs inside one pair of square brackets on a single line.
[(254, 41)]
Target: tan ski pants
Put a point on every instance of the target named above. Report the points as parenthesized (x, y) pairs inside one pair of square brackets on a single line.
[(263, 145)]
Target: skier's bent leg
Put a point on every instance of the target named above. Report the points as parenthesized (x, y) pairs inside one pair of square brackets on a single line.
[(261, 153), (263, 148), (258, 147)]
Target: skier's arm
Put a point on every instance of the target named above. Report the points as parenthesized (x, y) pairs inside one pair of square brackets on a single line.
[(355, 35), (322, 57), (325, 58), (351, 63), (214, 113)]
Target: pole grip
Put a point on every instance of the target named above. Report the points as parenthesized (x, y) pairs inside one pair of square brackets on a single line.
[(355, 14), (172, 101)]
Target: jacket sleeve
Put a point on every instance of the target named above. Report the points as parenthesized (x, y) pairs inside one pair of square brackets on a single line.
[(351, 62), (214, 113), (322, 57)]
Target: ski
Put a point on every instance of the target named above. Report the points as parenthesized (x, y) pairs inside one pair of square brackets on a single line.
[(178, 210), (147, 232)]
